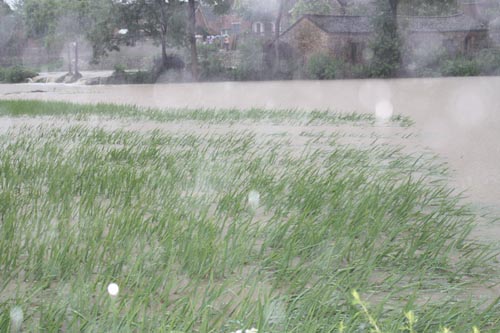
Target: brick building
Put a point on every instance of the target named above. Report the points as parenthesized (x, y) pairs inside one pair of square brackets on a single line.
[(348, 37)]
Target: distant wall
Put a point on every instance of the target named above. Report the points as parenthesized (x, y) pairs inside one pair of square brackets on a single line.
[(425, 47), (308, 40), (350, 47)]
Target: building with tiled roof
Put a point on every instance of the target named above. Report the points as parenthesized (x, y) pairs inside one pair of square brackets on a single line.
[(348, 37)]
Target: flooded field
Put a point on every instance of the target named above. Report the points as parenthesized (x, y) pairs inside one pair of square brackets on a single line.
[(458, 118), (221, 217)]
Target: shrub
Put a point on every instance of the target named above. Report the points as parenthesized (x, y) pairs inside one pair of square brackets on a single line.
[(323, 67), (359, 71), (489, 61), (16, 74), (211, 65), (119, 68), (459, 67), (387, 44), (122, 77), (251, 62)]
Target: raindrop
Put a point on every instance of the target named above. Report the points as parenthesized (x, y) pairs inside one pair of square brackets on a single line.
[(367, 54), (16, 319), (383, 110), (372, 92), (113, 289), (412, 67), (253, 199), (467, 109)]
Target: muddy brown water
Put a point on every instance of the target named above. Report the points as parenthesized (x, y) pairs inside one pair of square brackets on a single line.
[(457, 118)]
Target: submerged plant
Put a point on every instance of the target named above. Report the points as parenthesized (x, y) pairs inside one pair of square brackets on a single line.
[(166, 213)]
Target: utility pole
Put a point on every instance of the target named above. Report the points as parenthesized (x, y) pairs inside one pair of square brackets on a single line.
[(277, 33), (70, 71), (76, 58)]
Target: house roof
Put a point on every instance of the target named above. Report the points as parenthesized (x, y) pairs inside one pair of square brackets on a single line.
[(342, 24), (452, 23), (363, 24)]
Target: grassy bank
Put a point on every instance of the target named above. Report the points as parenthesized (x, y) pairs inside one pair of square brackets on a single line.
[(216, 232)]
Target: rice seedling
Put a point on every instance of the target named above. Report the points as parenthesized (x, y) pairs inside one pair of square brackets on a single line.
[(163, 231), (19, 108)]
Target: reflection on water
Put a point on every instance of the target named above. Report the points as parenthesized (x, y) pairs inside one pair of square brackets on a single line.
[(458, 118)]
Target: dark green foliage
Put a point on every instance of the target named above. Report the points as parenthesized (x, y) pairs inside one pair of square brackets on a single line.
[(387, 43), (428, 7), (489, 61), (460, 66), (120, 76), (303, 7), (211, 65), (251, 63), (119, 68), (4, 8), (16, 74), (323, 67)]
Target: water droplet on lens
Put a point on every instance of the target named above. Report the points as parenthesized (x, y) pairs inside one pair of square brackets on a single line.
[(253, 199), (16, 318), (113, 289)]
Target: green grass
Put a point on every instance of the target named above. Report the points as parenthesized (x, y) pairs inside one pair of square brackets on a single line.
[(17, 108), (166, 216)]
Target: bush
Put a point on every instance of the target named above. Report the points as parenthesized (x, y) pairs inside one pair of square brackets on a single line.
[(360, 71), (460, 67), (323, 67), (387, 44), (119, 68), (16, 74), (211, 65), (489, 61), (123, 77), (251, 63)]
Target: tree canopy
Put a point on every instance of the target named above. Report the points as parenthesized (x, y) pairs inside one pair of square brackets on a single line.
[(4, 8), (311, 7)]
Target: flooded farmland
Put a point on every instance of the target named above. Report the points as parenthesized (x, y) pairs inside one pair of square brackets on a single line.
[(457, 118), (286, 158)]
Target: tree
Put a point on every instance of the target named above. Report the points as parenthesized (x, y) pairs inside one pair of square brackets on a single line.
[(219, 7), (343, 6), (257, 9), (11, 35), (163, 21), (303, 7), (387, 44), (277, 32), (192, 39), (4, 8), (428, 7)]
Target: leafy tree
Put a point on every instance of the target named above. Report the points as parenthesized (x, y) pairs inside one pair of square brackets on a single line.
[(387, 44), (343, 6), (428, 7), (164, 22), (63, 22), (277, 32), (219, 7), (4, 8), (11, 34), (303, 7), (256, 9)]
